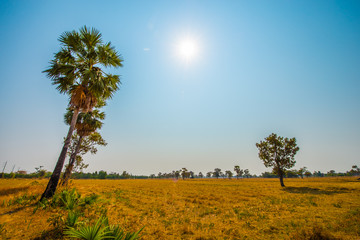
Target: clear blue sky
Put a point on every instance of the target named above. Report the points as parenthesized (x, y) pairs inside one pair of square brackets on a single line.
[(289, 67)]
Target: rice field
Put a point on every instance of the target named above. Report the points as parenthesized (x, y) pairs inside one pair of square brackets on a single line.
[(195, 208)]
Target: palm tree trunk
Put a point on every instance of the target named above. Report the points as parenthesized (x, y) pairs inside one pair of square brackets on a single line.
[(68, 171), (54, 180)]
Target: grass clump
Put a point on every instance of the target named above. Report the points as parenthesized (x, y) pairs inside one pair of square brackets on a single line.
[(315, 233), (22, 200)]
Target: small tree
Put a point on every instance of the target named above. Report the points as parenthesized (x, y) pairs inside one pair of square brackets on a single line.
[(354, 170), (217, 172), (201, 175), (308, 174), (247, 173), (184, 173), (208, 174), (102, 174), (331, 173), (229, 174), (177, 174), (278, 152), (40, 172), (302, 171), (291, 173), (239, 172)]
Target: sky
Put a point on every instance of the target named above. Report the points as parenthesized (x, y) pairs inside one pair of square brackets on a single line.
[(261, 67)]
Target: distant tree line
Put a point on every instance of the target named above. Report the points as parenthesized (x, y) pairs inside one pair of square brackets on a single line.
[(303, 172), (183, 173), (40, 172), (245, 173), (217, 173)]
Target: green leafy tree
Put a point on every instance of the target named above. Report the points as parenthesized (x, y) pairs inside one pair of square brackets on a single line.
[(177, 174), (307, 174), (279, 153), (354, 170), (201, 175), (331, 173), (291, 173), (125, 175), (318, 174), (102, 174), (239, 172), (84, 140), (217, 172), (209, 174), (229, 174), (76, 71), (268, 175), (40, 172), (247, 173), (302, 171), (184, 173)]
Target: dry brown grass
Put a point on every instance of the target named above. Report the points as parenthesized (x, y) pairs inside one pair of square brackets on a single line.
[(201, 209)]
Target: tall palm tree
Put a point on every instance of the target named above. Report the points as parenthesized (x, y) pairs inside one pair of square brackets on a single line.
[(86, 125), (76, 71)]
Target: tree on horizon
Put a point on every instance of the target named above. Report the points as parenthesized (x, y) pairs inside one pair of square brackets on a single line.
[(279, 153), (217, 173), (229, 174), (239, 171)]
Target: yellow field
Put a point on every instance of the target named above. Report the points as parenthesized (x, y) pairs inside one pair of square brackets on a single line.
[(198, 209)]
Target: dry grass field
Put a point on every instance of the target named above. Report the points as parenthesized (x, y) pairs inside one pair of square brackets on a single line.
[(195, 209)]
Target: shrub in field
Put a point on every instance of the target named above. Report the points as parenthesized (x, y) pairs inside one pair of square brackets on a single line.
[(68, 199), (22, 200), (88, 200), (101, 230), (72, 219)]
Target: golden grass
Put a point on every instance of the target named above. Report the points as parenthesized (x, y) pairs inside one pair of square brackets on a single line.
[(200, 209)]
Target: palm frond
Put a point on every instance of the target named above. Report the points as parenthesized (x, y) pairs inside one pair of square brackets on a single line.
[(90, 37), (96, 232), (65, 56), (72, 40), (111, 83), (108, 56)]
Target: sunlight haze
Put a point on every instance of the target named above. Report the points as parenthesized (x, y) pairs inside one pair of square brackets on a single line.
[(202, 82)]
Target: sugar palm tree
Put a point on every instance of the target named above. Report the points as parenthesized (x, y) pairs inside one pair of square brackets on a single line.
[(86, 125), (76, 71)]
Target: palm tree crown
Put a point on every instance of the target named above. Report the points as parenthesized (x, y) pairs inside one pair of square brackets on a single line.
[(76, 68)]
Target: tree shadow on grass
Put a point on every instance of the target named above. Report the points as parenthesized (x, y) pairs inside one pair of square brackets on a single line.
[(17, 209), (52, 234), (5, 192), (315, 191)]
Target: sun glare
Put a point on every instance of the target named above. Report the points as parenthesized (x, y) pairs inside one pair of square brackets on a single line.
[(187, 49)]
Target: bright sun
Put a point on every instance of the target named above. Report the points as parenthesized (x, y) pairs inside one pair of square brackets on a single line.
[(187, 49)]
